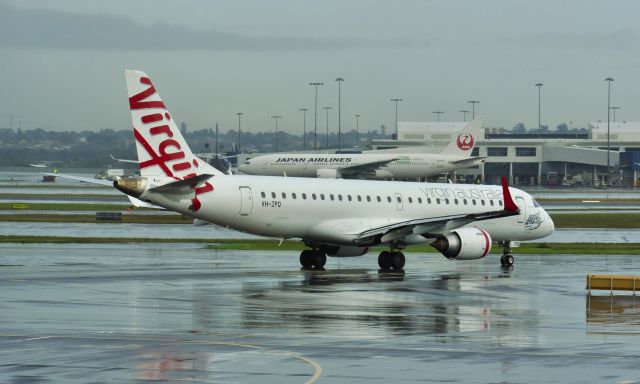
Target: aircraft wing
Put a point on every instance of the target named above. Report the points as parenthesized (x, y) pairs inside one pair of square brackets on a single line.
[(441, 224), (366, 167), (89, 180), (135, 202), (470, 160)]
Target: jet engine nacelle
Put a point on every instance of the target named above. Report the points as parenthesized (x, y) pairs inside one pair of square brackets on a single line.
[(343, 250), (328, 173), (464, 244)]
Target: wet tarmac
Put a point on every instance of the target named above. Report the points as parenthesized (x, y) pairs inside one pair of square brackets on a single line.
[(179, 312)]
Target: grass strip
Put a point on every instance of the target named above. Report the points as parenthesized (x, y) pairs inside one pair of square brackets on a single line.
[(69, 196), (296, 245), (64, 207), (561, 220)]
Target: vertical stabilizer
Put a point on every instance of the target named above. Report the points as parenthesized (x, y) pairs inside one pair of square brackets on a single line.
[(162, 151), (462, 145)]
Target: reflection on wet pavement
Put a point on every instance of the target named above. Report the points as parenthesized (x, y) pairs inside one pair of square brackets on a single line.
[(178, 312)]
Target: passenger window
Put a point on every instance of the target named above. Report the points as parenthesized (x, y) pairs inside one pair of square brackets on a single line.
[(293, 196), (284, 195), (273, 195), (410, 200), (349, 197), (419, 200), (331, 197), (482, 202), (379, 200), (500, 203), (491, 202), (340, 197), (304, 196), (428, 200), (322, 196), (359, 198), (464, 201), (437, 201), (399, 199), (313, 196), (473, 201), (446, 201), (263, 194), (368, 198), (389, 199), (455, 201)]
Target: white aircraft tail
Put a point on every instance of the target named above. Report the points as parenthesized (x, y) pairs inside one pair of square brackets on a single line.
[(162, 151), (463, 144)]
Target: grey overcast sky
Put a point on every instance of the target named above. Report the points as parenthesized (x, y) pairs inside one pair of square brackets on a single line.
[(61, 61)]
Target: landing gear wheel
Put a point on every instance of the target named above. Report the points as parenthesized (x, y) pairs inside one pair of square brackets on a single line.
[(306, 258), (507, 257), (383, 260), (319, 259), (507, 260), (396, 260)]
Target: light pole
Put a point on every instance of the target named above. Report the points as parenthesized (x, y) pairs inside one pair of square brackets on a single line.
[(539, 85), (339, 80), (473, 108), (304, 127), (396, 101), (327, 109), (239, 114), (276, 117), (357, 130), (464, 114), (315, 117), (614, 109), (438, 113), (608, 80)]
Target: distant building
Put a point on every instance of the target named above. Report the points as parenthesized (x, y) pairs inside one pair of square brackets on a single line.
[(528, 159)]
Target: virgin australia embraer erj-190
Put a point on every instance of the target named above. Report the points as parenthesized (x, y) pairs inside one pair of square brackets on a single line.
[(332, 216), (406, 163)]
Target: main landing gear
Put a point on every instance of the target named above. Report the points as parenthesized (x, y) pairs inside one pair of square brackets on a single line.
[(313, 258), (391, 260), (507, 257)]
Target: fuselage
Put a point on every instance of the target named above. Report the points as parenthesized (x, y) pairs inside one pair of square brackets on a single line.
[(335, 211), (355, 165)]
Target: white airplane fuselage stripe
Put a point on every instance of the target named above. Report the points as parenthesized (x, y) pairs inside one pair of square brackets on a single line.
[(339, 221)]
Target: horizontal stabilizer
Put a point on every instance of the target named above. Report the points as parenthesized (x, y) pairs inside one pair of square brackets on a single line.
[(182, 186), (90, 180)]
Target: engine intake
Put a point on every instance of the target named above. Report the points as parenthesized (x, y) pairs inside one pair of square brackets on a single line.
[(464, 244)]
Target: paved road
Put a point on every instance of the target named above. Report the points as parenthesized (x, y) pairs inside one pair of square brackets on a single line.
[(126, 313)]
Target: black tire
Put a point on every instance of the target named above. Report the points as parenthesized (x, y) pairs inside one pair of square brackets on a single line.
[(306, 258), (396, 261), (509, 260), (383, 260), (319, 259)]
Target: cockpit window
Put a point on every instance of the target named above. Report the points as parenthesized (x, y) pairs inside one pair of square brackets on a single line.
[(535, 203)]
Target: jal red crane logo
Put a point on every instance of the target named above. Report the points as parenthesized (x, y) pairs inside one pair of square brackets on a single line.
[(465, 141)]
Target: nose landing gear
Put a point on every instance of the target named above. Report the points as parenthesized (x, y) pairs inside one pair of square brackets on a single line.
[(507, 257)]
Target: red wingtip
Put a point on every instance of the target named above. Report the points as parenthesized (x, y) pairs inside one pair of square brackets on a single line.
[(509, 205)]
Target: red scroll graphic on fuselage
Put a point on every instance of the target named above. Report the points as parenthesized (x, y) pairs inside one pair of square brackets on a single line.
[(465, 141), (169, 149)]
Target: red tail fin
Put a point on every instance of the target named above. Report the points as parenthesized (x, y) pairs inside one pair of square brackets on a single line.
[(509, 205)]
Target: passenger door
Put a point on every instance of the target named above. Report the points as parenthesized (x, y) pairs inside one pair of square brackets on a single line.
[(398, 197), (246, 201), (523, 209)]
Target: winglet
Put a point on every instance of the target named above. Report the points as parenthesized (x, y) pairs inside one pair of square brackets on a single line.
[(509, 205)]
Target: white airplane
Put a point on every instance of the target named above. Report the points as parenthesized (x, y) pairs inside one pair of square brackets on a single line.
[(386, 164), (333, 217)]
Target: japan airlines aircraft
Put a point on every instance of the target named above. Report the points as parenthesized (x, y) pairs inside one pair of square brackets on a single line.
[(387, 164), (332, 217)]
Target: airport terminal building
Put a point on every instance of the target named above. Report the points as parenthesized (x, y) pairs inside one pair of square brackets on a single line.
[(554, 159)]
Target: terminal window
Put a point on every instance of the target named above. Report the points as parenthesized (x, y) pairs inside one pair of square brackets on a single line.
[(496, 151), (525, 151)]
